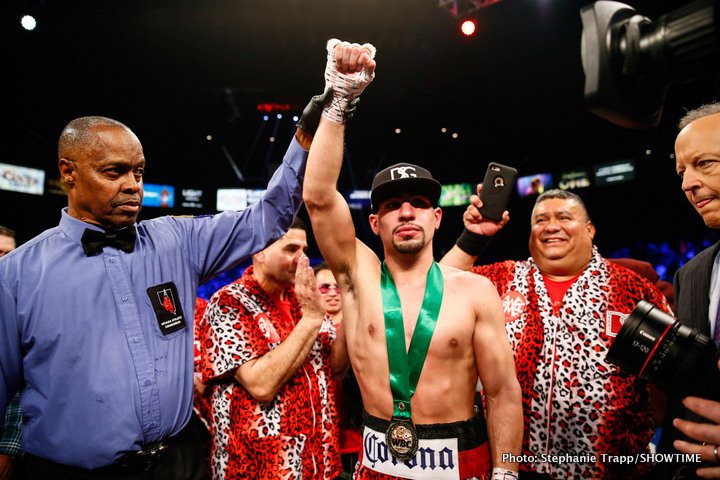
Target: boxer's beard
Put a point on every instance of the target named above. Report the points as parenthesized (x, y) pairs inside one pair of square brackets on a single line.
[(409, 247)]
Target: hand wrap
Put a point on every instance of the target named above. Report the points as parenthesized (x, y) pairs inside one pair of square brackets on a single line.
[(503, 474), (346, 87)]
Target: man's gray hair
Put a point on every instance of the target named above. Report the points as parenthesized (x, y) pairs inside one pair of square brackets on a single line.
[(697, 113)]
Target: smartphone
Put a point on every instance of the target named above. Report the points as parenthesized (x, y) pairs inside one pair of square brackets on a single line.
[(497, 187)]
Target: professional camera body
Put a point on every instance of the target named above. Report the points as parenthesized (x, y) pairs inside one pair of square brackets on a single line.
[(656, 347), (630, 61)]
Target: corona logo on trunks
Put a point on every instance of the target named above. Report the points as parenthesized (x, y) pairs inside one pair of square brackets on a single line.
[(513, 304), (436, 459)]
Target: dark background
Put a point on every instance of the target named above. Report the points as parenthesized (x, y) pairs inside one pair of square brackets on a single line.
[(177, 71)]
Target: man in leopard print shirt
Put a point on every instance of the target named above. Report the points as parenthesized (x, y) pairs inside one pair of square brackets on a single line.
[(563, 308), (269, 355)]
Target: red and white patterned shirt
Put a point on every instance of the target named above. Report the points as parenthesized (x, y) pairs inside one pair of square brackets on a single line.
[(574, 401), (295, 435), (201, 403)]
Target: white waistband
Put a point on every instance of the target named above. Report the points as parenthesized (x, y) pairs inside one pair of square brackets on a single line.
[(436, 459)]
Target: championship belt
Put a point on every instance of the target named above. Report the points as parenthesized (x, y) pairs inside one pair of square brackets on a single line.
[(406, 365)]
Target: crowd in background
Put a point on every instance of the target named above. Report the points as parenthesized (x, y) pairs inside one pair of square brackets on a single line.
[(517, 367)]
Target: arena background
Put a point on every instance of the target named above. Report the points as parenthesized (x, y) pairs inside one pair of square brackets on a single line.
[(194, 80)]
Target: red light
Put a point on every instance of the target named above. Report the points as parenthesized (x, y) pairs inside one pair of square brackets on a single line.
[(276, 107), (468, 27)]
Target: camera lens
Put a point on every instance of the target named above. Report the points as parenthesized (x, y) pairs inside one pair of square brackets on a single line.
[(630, 61), (656, 347)]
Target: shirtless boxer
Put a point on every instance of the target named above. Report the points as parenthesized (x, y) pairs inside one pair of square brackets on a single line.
[(420, 420)]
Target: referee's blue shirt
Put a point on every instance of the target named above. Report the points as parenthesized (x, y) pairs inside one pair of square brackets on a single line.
[(81, 335)]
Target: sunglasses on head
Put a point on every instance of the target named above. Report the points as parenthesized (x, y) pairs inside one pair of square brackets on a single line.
[(325, 287)]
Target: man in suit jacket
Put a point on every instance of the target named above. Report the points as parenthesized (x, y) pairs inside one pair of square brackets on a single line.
[(697, 284)]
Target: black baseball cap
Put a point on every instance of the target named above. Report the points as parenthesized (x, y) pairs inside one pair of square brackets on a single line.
[(403, 177)]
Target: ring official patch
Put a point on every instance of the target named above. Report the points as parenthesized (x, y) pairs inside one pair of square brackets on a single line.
[(165, 301)]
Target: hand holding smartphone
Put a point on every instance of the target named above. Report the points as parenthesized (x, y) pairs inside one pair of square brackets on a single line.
[(497, 187)]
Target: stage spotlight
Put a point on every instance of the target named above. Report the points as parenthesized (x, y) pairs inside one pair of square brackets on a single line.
[(28, 22), (265, 117), (468, 27), (279, 116)]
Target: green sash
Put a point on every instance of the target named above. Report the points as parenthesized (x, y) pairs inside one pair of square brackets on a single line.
[(406, 365)]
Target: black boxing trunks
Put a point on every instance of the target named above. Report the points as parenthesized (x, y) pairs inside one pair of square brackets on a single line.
[(457, 451)]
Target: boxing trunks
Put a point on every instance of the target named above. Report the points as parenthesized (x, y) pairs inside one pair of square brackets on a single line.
[(457, 451)]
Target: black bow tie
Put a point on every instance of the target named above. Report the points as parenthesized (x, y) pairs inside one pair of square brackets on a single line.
[(94, 241)]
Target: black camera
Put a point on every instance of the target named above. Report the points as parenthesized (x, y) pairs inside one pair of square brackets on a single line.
[(631, 61), (674, 357)]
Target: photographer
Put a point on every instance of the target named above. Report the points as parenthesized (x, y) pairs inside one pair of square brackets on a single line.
[(697, 156)]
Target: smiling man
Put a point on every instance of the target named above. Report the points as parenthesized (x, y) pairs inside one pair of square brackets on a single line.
[(563, 308), (96, 314)]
